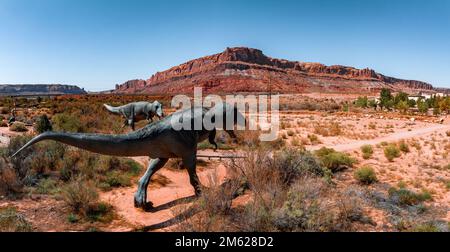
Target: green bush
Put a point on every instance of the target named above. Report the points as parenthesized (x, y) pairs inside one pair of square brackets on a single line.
[(43, 124), (403, 196), (67, 123), (292, 163), (334, 160), (365, 175), (403, 147), (367, 151), (391, 151)]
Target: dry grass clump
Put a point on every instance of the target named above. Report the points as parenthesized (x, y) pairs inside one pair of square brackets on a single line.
[(328, 129), (314, 139), (367, 151), (12, 221), (391, 151), (18, 127)]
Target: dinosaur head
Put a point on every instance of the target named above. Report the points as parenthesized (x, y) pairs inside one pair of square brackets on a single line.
[(228, 116), (157, 108)]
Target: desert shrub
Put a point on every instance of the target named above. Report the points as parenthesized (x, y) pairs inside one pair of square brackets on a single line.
[(21, 164), (47, 186), (18, 127), (43, 124), (5, 110), (328, 129), (117, 179), (290, 133), (80, 195), (10, 185), (67, 122), (405, 197), (314, 139), (367, 151), (12, 221), (403, 146), (292, 163), (3, 124), (72, 218), (334, 160), (362, 102), (100, 211), (304, 209), (295, 142), (365, 175), (425, 227), (391, 151), (248, 138)]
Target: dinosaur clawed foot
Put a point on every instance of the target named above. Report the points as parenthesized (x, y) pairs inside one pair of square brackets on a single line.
[(140, 202)]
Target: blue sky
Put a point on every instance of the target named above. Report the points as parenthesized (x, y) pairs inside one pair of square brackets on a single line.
[(98, 43)]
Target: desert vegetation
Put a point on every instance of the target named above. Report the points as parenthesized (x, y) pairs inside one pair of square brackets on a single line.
[(309, 179)]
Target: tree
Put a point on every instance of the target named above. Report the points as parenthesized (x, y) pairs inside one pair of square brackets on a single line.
[(444, 104), (386, 98), (402, 106), (422, 106), (411, 103), (401, 96)]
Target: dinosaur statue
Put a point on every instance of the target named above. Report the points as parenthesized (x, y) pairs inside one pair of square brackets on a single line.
[(137, 111), (158, 140)]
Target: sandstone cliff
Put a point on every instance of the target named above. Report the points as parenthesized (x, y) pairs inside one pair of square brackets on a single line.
[(243, 69)]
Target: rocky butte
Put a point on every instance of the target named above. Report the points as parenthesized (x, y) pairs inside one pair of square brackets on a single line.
[(40, 89), (242, 69)]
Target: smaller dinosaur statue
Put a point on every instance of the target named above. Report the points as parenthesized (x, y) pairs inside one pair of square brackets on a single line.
[(12, 119), (137, 111)]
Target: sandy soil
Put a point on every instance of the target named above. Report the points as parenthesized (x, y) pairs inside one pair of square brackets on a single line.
[(166, 198)]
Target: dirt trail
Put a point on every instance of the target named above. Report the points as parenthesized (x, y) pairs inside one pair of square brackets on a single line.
[(166, 199), (389, 138)]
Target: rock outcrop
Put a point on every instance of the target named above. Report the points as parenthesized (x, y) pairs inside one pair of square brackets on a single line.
[(39, 89), (244, 69)]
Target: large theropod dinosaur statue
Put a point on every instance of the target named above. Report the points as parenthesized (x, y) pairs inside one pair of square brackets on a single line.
[(159, 140), (137, 111)]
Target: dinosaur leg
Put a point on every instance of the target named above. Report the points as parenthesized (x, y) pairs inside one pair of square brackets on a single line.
[(140, 197), (131, 123), (190, 164), (212, 139)]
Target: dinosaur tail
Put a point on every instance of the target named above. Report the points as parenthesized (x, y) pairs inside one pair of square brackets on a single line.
[(116, 145), (115, 110)]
